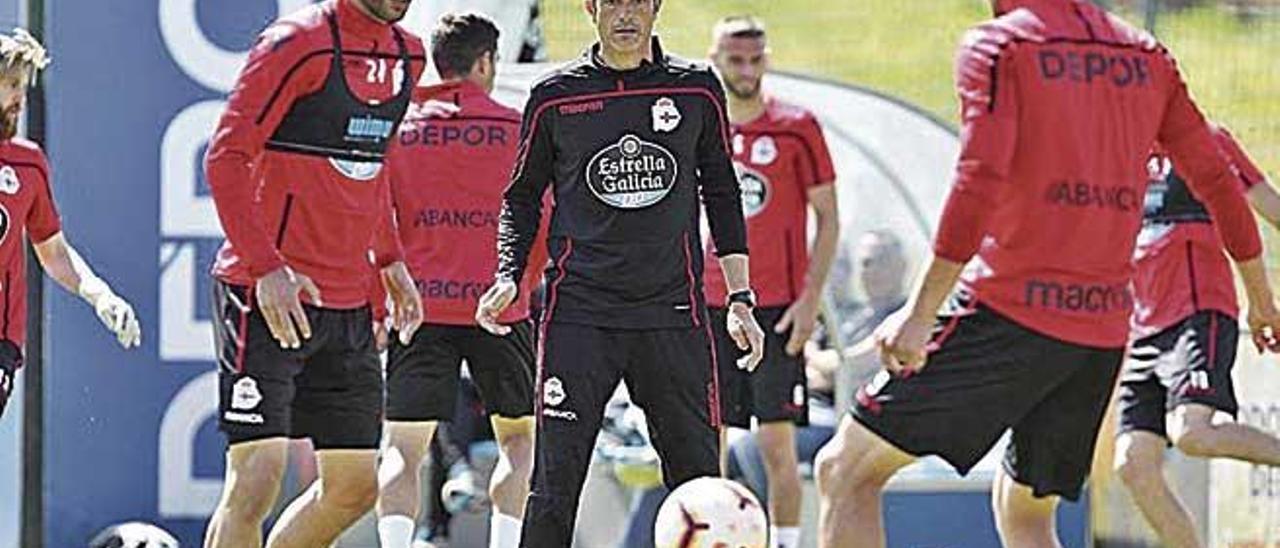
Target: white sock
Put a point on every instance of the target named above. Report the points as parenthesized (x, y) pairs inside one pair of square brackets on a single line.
[(504, 531), (784, 537), (396, 531)]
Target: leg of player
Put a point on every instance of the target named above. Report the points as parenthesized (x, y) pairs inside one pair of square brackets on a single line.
[(347, 488), (399, 480), (509, 484), (254, 472), (778, 448), (1192, 431), (852, 470), (1023, 520), (1139, 462)]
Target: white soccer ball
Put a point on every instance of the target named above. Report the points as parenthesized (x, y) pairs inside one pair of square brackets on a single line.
[(711, 513)]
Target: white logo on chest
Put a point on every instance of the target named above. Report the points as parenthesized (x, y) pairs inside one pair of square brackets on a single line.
[(9, 183), (666, 117), (764, 151)]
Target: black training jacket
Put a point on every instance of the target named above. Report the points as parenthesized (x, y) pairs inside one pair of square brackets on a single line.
[(627, 155)]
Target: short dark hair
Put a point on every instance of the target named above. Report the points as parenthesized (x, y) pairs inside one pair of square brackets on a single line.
[(460, 39)]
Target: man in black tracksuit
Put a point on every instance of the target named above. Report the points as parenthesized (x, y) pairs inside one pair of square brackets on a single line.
[(627, 138)]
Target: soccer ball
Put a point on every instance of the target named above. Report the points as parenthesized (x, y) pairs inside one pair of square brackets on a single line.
[(711, 513)]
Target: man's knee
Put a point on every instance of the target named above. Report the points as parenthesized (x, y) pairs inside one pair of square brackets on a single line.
[(254, 480), (1137, 468), (1015, 503), (353, 496), (518, 449), (1191, 430), (846, 470), (1195, 441), (777, 448), (353, 489)]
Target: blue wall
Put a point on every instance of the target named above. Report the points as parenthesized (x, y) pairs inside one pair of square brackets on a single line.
[(134, 90)]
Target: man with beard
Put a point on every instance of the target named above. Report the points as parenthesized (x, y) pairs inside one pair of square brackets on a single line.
[(784, 169), (628, 139), (295, 168), (1060, 104), (27, 206)]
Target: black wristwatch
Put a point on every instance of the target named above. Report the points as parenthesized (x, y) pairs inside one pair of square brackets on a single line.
[(745, 296)]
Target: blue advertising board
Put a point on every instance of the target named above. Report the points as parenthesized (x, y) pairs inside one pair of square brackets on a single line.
[(133, 94)]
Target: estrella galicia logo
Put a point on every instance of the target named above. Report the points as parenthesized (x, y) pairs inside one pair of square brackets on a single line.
[(755, 189), (632, 173)]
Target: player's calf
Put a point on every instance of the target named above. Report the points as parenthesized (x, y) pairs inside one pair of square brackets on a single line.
[(509, 485), (778, 450), (399, 480), (1138, 461), (852, 470)]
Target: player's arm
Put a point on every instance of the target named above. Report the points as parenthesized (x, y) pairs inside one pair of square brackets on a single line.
[(1266, 201), (62, 263), (521, 213), (1258, 191), (1187, 137), (989, 113), (388, 258), (253, 111), (261, 98), (820, 189), (722, 199)]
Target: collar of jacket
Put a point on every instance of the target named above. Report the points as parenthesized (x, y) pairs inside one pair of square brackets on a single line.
[(1005, 6), (659, 58)]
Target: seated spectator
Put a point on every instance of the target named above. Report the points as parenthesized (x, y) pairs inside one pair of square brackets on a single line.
[(881, 266)]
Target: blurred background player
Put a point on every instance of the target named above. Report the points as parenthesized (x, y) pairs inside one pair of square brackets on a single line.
[(448, 172), (881, 267), (1185, 331), (522, 39), (784, 169), (1047, 195), (295, 169), (627, 138), (27, 207)]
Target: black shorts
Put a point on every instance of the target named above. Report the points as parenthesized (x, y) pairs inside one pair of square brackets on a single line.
[(776, 391), (330, 390), (422, 378), (1190, 362), (10, 361), (988, 374)]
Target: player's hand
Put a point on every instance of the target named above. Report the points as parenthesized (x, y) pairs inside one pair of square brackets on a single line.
[(117, 314), (277, 296), (800, 318), (1264, 325), (493, 303), (902, 340), (380, 337), (406, 313), (746, 333)]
